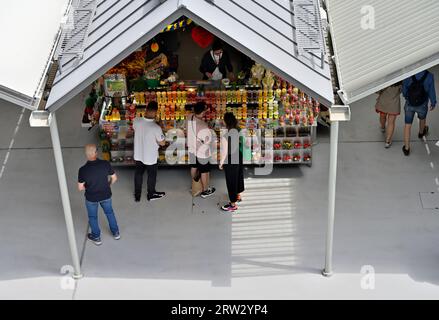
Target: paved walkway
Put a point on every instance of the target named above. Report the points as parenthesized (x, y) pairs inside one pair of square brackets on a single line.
[(181, 248)]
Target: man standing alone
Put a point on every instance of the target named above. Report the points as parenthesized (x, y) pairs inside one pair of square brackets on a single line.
[(93, 177), (148, 138)]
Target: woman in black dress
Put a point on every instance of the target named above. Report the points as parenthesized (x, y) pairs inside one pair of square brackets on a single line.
[(232, 144)]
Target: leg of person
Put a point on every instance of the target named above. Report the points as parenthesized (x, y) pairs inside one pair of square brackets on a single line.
[(204, 168), (194, 173), (138, 180), (390, 130), (231, 174), (241, 186), (409, 116), (383, 119), (232, 181), (107, 206), (152, 180), (205, 179), (92, 210), (422, 116), (406, 146)]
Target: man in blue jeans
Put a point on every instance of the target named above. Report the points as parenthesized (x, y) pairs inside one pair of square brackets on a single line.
[(96, 178), (418, 91)]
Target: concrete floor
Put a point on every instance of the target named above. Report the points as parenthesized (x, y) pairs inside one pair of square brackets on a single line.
[(181, 248)]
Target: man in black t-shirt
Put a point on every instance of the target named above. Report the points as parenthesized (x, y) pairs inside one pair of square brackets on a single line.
[(93, 177)]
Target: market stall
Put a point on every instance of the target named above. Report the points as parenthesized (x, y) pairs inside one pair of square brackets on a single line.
[(278, 120)]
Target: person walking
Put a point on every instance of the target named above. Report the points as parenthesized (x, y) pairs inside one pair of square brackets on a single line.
[(418, 91), (388, 106), (93, 178), (148, 137), (199, 146), (232, 145)]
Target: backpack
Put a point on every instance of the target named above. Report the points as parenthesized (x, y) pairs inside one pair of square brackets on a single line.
[(417, 95)]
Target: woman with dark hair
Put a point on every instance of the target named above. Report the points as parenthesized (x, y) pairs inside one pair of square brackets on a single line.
[(216, 63), (232, 144)]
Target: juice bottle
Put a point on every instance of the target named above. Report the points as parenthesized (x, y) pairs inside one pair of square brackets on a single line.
[(270, 95), (244, 96), (265, 95)]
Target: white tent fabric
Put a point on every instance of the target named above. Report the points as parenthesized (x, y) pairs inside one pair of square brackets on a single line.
[(29, 29), (262, 29), (378, 43)]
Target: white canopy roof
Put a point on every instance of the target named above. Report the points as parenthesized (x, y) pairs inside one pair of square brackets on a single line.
[(29, 29), (378, 43), (265, 30), (262, 29)]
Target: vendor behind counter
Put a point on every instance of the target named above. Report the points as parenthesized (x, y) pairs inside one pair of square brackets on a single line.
[(216, 63)]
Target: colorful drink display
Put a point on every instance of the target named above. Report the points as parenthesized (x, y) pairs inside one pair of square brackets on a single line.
[(289, 106), (285, 108)]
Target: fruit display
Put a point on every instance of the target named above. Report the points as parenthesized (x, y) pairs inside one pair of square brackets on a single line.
[(287, 145), (287, 158), (277, 145), (272, 118)]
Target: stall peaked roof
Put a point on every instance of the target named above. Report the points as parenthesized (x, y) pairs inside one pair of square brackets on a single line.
[(262, 29)]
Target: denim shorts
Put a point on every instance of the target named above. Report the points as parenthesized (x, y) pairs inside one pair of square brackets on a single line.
[(410, 112)]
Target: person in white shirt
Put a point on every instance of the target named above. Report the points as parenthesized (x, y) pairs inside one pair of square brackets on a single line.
[(199, 146), (148, 138)]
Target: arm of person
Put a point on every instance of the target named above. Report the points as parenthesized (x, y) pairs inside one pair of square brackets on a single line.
[(223, 149), (113, 179), (405, 88), (112, 174), (81, 181), (432, 93), (227, 62), (160, 137), (81, 186), (204, 65)]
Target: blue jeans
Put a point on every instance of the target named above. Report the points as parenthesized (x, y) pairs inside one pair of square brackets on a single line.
[(92, 209), (410, 111)]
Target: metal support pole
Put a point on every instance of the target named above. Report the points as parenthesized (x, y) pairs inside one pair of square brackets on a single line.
[(65, 196), (327, 272)]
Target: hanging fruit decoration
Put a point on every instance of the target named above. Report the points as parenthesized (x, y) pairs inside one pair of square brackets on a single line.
[(155, 47), (202, 37)]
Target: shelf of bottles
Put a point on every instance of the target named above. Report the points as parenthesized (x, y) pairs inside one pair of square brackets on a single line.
[(278, 124)]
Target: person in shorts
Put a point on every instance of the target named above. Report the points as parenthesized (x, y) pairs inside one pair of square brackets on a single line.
[(199, 146), (418, 91)]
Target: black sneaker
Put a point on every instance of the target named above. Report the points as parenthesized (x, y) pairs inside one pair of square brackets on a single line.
[(209, 192), (154, 197), (405, 151), (137, 198), (424, 133), (160, 193), (96, 241), (116, 236)]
